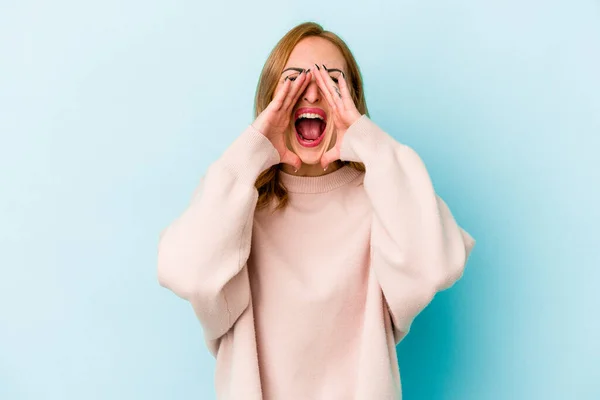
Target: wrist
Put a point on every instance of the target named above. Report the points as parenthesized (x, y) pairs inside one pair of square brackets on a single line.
[(364, 141), (249, 155)]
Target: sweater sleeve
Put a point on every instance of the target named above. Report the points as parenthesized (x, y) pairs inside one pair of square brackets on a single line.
[(417, 247), (202, 254)]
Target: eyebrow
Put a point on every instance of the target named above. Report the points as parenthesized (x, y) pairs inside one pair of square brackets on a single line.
[(300, 70)]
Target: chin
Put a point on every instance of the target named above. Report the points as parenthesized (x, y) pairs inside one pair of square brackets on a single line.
[(310, 159), (311, 156)]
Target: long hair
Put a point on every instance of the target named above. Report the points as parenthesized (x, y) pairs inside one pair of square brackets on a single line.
[(270, 188)]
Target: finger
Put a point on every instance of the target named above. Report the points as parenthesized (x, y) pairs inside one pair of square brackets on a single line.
[(319, 73), (329, 157), (303, 87), (292, 93), (335, 91), (280, 96), (346, 96), (292, 159)]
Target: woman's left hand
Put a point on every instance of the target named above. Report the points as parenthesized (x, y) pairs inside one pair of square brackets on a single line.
[(342, 107)]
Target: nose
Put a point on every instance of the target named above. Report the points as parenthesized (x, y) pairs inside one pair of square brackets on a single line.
[(312, 93)]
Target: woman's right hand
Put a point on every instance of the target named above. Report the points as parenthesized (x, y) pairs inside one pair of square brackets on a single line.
[(274, 120)]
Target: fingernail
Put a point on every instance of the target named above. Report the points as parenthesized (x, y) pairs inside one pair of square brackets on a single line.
[(317, 67), (325, 169), (325, 67)]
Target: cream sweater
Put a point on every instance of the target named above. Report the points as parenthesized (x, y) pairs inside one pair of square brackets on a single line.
[(309, 302)]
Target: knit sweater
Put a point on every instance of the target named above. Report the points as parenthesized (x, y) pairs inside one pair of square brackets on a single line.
[(310, 301)]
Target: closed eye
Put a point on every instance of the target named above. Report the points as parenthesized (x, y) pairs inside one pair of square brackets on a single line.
[(293, 78)]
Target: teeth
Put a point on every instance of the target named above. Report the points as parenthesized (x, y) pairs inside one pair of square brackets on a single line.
[(310, 115)]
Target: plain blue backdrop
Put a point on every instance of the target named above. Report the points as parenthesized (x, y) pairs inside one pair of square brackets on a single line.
[(111, 111)]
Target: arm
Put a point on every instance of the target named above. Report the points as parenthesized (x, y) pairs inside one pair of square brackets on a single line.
[(417, 248), (202, 254)]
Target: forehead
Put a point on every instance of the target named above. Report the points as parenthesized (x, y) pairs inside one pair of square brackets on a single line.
[(313, 50)]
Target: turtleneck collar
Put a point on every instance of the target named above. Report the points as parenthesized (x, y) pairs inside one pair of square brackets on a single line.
[(318, 184)]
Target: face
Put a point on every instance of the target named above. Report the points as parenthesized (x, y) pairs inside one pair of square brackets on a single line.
[(308, 137)]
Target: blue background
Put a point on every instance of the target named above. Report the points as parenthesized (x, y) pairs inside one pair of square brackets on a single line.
[(110, 112)]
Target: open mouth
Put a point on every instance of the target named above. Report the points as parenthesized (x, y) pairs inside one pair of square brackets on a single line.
[(310, 129)]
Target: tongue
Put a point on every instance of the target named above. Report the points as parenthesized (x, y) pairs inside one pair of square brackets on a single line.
[(309, 128)]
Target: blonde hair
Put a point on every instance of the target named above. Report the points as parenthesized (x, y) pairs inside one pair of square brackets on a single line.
[(270, 188)]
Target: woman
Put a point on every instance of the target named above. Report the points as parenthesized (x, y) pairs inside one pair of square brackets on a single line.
[(313, 242)]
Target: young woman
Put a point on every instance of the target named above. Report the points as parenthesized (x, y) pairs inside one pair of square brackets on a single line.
[(313, 242)]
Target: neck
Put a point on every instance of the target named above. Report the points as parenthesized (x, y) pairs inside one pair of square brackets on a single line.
[(312, 169)]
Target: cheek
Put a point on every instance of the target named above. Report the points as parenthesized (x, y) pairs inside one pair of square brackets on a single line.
[(329, 129), (290, 135), (331, 136)]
